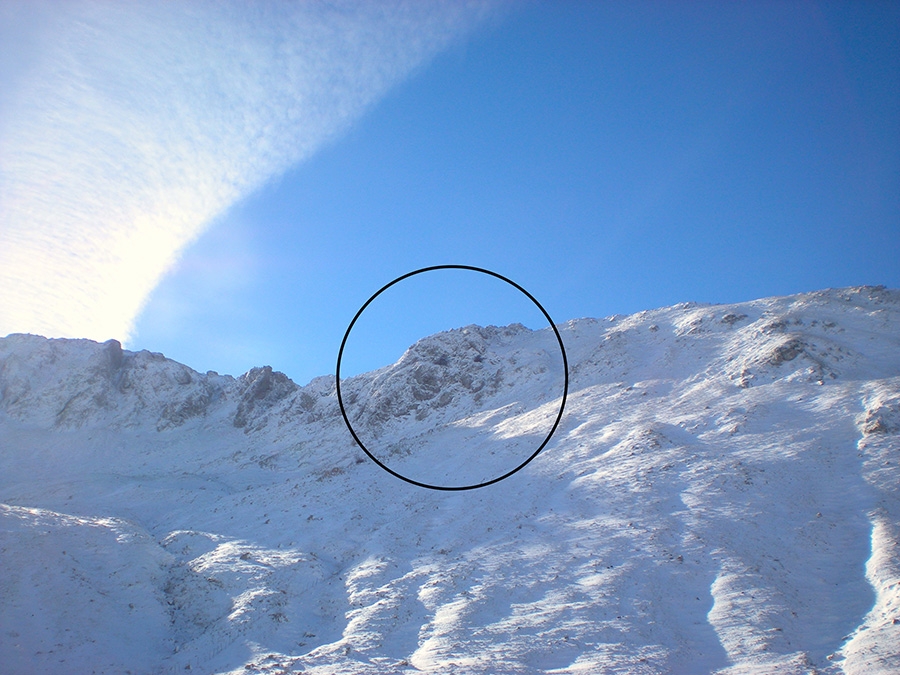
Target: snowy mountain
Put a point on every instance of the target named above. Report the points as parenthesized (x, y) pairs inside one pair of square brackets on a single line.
[(720, 496)]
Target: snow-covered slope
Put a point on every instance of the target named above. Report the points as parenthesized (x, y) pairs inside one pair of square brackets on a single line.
[(721, 496)]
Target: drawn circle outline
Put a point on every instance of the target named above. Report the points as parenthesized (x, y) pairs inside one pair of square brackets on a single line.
[(562, 405)]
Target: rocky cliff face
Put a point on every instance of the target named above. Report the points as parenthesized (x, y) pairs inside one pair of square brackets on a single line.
[(721, 496), (75, 383)]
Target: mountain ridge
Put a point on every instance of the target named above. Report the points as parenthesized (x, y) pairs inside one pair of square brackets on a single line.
[(721, 496)]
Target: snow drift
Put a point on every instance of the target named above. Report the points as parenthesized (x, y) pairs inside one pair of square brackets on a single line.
[(721, 496)]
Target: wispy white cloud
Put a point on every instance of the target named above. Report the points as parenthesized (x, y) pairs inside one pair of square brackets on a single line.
[(127, 127)]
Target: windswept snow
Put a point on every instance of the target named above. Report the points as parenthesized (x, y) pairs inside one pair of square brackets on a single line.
[(721, 496)]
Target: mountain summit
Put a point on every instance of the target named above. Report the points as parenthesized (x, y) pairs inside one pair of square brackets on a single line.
[(721, 496)]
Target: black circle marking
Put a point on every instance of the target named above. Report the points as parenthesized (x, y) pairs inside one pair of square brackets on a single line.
[(546, 440)]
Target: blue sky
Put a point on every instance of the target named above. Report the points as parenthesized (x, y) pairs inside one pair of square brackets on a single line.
[(609, 157)]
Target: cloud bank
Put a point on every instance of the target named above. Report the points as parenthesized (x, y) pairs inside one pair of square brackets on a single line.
[(127, 127)]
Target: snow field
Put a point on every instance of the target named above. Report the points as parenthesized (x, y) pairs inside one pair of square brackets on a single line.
[(721, 496)]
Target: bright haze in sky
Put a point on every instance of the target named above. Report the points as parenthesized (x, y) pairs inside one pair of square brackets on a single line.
[(228, 184), (127, 127)]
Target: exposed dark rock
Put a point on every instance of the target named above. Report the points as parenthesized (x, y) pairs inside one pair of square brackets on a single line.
[(787, 351), (263, 388)]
